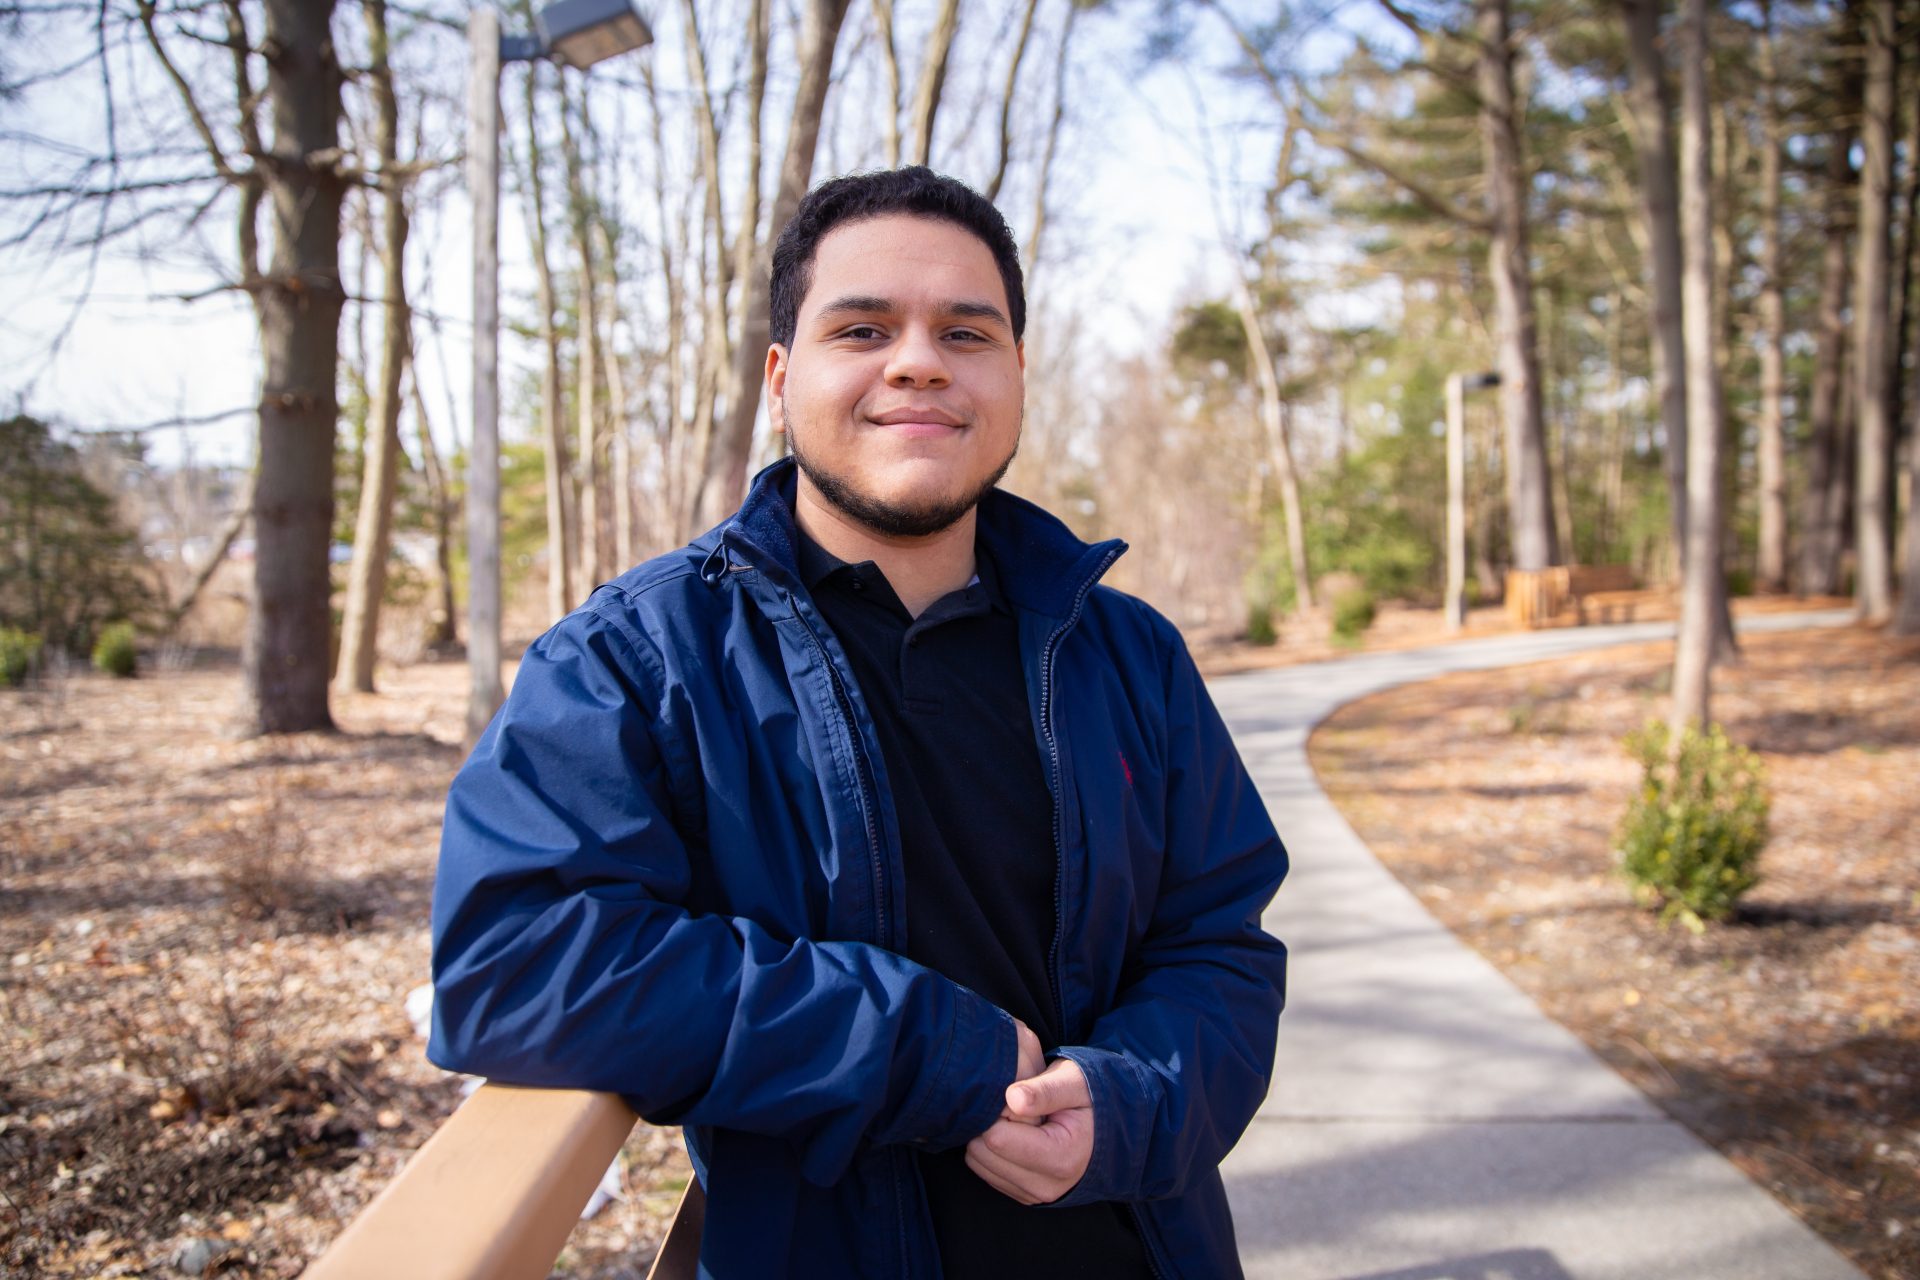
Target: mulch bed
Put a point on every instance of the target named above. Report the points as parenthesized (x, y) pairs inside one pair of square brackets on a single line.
[(205, 945), (1789, 1037)]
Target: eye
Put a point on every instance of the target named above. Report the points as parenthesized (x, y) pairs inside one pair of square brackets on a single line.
[(967, 335), (861, 333)]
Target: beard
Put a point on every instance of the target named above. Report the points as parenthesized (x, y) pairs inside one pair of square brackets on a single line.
[(894, 519)]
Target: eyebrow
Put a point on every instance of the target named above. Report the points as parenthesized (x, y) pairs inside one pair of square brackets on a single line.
[(870, 304)]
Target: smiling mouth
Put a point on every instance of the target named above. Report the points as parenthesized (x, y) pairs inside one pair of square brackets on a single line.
[(930, 419)]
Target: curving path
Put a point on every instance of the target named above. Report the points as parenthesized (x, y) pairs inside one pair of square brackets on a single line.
[(1426, 1121)]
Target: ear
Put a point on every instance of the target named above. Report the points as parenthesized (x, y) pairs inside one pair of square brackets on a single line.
[(776, 383), (1020, 355)]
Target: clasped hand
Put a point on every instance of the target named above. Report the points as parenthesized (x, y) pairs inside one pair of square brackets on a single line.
[(1040, 1146)]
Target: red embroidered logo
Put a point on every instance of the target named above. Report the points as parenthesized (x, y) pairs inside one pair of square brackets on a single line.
[(1125, 767)]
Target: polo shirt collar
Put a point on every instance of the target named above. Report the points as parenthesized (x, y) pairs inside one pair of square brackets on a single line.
[(1041, 565)]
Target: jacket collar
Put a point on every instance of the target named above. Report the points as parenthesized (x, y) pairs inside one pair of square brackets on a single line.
[(1042, 565)]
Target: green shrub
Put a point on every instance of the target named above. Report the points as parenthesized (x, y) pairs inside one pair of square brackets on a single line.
[(1690, 841), (1260, 628), (1352, 614), (115, 651), (19, 650)]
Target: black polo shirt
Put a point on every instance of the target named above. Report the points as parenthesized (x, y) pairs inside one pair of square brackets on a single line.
[(949, 704)]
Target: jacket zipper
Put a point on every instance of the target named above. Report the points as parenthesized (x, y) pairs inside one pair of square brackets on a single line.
[(1146, 1243), (1054, 978), (864, 779), (1054, 981)]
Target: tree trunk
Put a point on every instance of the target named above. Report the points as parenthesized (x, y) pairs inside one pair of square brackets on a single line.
[(440, 624), (289, 629), (1704, 588), (725, 478), (1772, 574), (667, 521), (1829, 458), (619, 432), (592, 479), (1529, 492), (1660, 212), (1279, 446), (933, 78), (1030, 253), (373, 527), (1873, 584), (222, 543), (1005, 153), (1906, 622), (890, 58), (553, 435)]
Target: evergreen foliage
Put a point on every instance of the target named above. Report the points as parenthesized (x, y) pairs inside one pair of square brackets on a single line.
[(117, 651), (19, 650), (67, 564), (1690, 842), (1352, 614)]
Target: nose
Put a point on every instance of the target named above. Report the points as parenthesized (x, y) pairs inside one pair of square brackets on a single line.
[(917, 360)]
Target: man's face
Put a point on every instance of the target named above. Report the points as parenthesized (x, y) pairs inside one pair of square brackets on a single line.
[(901, 394)]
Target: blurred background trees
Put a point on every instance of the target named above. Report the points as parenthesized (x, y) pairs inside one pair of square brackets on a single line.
[(1401, 191)]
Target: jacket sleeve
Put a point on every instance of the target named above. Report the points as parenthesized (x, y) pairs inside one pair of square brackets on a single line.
[(562, 956), (1180, 1063)]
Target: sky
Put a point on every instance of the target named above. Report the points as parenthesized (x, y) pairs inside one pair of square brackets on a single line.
[(1132, 198)]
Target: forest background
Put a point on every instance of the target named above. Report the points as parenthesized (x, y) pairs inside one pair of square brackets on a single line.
[(1260, 241)]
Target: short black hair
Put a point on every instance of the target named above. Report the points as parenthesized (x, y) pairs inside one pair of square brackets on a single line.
[(915, 190)]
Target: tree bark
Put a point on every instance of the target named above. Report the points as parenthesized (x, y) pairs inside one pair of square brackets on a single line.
[(289, 629), (1906, 622), (440, 618), (222, 543), (1006, 101), (725, 478), (1704, 582), (1772, 575), (592, 478), (890, 59), (1030, 252), (1829, 458), (553, 435), (1529, 491), (668, 520), (933, 78), (373, 526), (1873, 583), (1273, 421)]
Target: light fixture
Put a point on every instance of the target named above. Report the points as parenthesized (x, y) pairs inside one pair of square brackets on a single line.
[(583, 32)]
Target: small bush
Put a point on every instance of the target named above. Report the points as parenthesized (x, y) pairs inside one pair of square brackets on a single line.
[(1690, 841), (116, 652), (1260, 628), (1352, 614), (19, 650)]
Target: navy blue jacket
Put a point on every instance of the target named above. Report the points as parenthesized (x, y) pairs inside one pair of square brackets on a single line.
[(670, 869)]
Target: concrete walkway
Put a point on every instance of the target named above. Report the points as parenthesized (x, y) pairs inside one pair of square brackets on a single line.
[(1426, 1121)]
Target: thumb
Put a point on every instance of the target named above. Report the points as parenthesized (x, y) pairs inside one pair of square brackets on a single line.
[(1061, 1086)]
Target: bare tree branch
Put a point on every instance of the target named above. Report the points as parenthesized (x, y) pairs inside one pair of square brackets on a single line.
[(215, 152)]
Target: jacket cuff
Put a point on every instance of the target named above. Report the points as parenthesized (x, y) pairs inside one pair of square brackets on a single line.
[(1121, 1115), (967, 1091)]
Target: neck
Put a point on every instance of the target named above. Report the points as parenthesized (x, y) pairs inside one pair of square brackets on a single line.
[(920, 570)]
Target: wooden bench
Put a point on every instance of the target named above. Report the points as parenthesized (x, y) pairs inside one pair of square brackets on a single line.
[(1541, 597)]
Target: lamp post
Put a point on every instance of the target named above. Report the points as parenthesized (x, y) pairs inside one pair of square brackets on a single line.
[(578, 33), (1458, 384)]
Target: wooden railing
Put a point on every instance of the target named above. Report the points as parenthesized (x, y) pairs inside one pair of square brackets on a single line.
[(493, 1194)]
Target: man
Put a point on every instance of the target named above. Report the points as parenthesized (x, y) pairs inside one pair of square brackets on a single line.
[(868, 838)]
